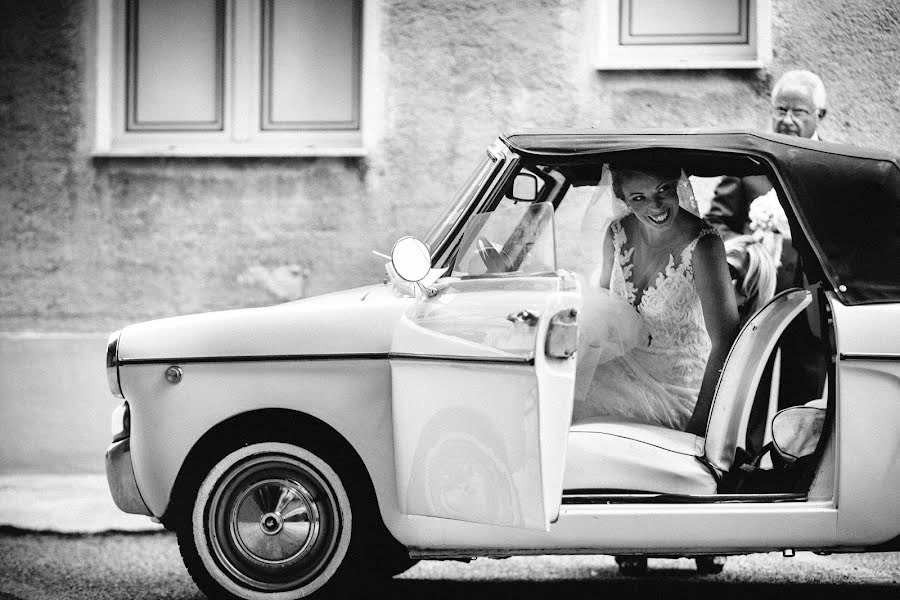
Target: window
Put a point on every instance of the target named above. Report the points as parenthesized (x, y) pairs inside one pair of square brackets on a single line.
[(230, 77), (682, 34)]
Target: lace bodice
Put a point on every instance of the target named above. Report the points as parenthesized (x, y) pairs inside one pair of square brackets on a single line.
[(659, 383), (670, 306)]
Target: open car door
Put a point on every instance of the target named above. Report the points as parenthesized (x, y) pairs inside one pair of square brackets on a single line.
[(483, 378)]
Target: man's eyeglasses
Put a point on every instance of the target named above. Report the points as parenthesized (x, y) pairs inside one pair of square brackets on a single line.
[(782, 111)]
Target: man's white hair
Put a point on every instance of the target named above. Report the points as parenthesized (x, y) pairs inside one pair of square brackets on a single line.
[(807, 79)]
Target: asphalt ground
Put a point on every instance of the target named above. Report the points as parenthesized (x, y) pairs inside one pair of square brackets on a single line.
[(148, 566)]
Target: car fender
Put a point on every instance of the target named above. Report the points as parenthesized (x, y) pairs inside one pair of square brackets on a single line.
[(868, 422), (326, 357)]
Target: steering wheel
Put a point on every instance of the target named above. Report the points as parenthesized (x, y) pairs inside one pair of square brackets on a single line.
[(495, 261)]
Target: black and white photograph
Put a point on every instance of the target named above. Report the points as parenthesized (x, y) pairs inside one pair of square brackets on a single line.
[(449, 298)]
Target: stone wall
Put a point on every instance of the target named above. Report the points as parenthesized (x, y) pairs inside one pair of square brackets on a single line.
[(90, 244)]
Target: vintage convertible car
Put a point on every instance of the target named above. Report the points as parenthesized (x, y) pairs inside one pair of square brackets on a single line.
[(299, 447)]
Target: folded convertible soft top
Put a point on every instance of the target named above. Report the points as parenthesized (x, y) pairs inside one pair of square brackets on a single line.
[(844, 199)]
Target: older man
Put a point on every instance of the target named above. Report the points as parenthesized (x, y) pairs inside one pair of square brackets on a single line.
[(798, 106)]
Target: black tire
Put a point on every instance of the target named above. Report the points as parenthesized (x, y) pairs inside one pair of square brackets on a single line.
[(270, 518), (632, 566), (395, 566)]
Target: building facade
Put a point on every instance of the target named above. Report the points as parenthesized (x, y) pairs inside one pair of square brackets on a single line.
[(162, 158)]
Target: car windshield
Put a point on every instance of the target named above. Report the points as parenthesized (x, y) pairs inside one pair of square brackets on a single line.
[(463, 199), (514, 238)]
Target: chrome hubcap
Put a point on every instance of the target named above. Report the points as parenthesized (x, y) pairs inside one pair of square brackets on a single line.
[(273, 523), (274, 520)]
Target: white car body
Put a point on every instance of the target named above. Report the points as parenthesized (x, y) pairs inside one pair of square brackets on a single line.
[(410, 382), (353, 395)]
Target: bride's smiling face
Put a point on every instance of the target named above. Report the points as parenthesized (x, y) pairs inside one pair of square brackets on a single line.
[(652, 198)]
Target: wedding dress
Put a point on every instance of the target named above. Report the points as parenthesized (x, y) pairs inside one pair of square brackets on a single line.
[(656, 383)]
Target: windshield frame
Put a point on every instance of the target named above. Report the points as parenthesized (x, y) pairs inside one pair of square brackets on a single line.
[(477, 187), (444, 223)]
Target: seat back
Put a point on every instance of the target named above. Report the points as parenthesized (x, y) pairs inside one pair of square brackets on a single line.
[(730, 412)]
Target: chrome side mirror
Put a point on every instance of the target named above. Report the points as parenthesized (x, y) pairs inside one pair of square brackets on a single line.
[(525, 187), (410, 263), (411, 259)]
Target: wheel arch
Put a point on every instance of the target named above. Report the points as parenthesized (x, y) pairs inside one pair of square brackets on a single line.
[(273, 424)]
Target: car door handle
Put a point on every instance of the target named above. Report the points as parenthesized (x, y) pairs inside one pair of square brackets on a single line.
[(523, 316)]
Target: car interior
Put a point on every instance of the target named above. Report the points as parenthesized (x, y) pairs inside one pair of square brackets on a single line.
[(772, 412)]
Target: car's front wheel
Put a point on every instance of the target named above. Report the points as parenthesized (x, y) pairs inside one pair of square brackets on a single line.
[(269, 520)]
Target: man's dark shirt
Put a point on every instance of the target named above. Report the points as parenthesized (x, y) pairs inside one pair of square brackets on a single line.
[(729, 213)]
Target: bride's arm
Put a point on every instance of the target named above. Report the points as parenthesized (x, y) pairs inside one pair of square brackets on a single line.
[(606, 269), (713, 285)]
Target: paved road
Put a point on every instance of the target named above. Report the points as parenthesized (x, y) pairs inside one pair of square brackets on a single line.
[(148, 566)]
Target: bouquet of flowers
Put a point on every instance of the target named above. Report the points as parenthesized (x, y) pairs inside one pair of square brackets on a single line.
[(769, 225)]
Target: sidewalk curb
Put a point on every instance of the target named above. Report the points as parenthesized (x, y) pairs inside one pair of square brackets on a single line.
[(12, 531), (77, 504)]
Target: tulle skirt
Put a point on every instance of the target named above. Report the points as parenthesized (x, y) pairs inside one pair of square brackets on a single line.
[(623, 374), (625, 389)]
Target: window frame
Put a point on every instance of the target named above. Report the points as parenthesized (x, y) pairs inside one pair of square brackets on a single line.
[(242, 133), (131, 80), (611, 54)]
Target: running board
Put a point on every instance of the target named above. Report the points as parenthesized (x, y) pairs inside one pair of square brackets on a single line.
[(571, 497)]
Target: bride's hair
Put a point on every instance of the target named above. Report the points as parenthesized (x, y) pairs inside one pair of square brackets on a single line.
[(620, 170), (758, 283)]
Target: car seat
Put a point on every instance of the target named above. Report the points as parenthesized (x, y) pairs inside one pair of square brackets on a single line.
[(609, 455)]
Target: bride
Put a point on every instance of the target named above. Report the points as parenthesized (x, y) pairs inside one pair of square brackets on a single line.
[(669, 265)]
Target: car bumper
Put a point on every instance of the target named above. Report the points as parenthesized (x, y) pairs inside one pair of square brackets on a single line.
[(120, 477)]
